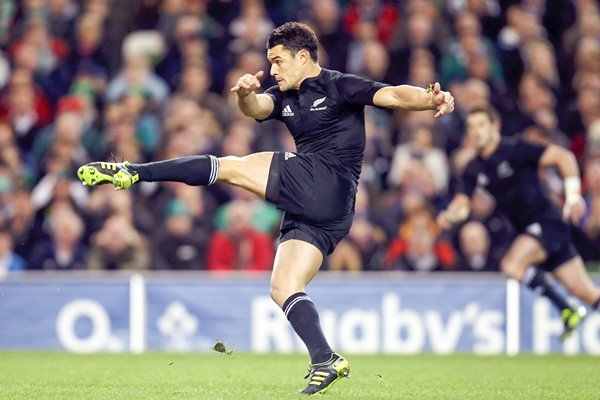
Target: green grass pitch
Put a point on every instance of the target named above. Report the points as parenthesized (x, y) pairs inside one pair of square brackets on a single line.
[(240, 376)]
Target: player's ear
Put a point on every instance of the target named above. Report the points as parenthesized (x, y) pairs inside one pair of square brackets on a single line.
[(303, 56)]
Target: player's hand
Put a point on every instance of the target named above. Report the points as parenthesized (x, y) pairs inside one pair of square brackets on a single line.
[(442, 101), (247, 84), (574, 209), (444, 220)]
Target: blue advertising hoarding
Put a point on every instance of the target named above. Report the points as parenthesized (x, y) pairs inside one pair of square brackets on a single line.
[(393, 314)]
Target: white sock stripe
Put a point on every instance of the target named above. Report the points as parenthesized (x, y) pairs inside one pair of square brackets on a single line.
[(214, 169), (528, 275), (293, 303)]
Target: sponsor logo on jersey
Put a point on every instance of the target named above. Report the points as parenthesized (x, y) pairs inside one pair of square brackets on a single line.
[(317, 102), (288, 155), (504, 170), (287, 111)]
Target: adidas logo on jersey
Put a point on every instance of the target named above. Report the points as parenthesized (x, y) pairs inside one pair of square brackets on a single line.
[(287, 111), (288, 155), (317, 102)]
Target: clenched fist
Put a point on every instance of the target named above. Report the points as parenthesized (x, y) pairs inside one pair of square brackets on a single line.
[(247, 84)]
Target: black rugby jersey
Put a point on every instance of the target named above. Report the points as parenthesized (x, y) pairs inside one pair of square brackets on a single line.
[(326, 116), (511, 175)]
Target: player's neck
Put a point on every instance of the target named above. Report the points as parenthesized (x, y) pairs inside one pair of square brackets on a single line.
[(312, 71), (491, 147)]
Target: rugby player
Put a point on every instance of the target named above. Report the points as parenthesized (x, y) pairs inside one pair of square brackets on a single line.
[(315, 186), (508, 169)]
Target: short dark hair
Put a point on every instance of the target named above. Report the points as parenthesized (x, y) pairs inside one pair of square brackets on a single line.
[(488, 110), (295, 36)]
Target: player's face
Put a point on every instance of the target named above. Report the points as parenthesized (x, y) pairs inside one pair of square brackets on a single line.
[(286, 67), (481, 130)]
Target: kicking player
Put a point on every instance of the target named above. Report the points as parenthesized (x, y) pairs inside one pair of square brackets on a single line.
[(316, 187), (508, 169)]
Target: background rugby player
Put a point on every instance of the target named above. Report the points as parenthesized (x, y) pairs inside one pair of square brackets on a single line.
[(508, 168)]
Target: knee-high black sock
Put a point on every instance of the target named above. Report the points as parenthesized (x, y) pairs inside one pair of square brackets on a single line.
[(302, 314), (194, 170), (596, 305), (539, 283)]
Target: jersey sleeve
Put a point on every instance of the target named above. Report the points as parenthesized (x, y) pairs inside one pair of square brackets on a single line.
[(528, 153), (275, 94), (356, 90), (468, 180)]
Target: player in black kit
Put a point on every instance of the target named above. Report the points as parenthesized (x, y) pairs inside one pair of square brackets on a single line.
[(508, 169), (316, 186)]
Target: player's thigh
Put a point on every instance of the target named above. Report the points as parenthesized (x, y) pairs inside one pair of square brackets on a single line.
[(574, 277), (523, 252), (250, 172), (296, 263)]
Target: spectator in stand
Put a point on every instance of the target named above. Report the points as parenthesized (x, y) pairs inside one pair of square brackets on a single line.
[(64, 250), (239, 246), (23, 227), (364, 247), (118, 246), (61, 17), (21, 165), (536, 102), (541, 61), (468, 44), (136, 106), (189, 45), (137, 73), (327, 22), (418, 34), (418, 246), (178, 246), (68, 129), (250, 29), (363, 33), (521, 26), (469, 94), (25, 108), (418, 165), (45, 55), (487, 11), (474, 245), (195, 84), (188, 129), (375, 61), (591, 222), (382, 14), (89, 47), (10, 262)]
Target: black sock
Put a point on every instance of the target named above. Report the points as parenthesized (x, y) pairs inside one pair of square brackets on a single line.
[(538, 282), (194, 170), (302, 314), (596, 305)]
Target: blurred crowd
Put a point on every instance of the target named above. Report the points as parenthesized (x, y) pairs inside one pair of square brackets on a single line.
[(143, 80)]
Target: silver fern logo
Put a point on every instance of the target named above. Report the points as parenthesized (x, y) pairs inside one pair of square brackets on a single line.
[(317, 102)]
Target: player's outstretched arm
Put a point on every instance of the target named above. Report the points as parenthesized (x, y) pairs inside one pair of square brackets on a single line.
[(457, 211), (414, 98), (252, 105), (564, 160)]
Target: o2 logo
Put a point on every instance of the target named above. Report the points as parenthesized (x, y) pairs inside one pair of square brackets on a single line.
[(100, 334)]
